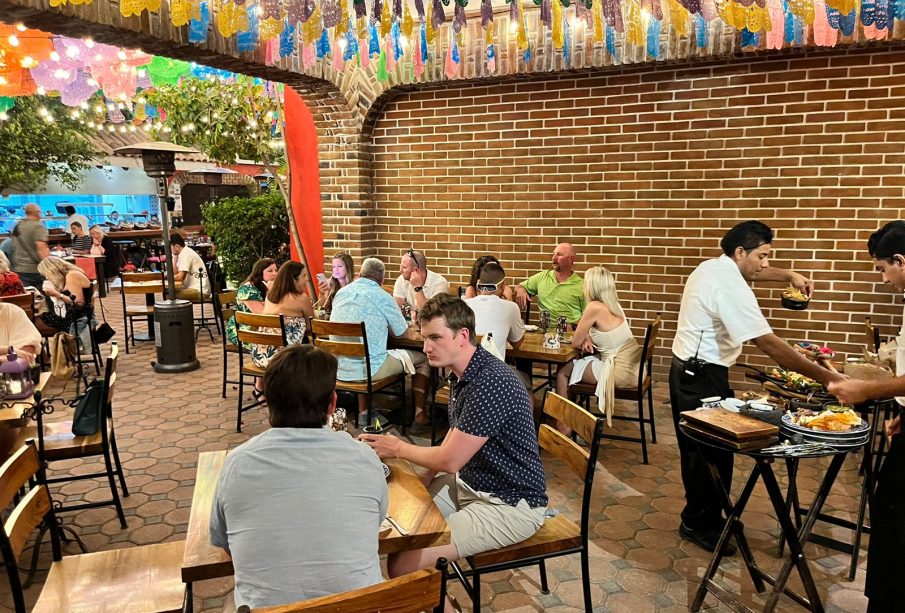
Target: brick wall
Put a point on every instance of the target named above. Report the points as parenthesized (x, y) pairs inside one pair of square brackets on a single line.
[(644, 170)]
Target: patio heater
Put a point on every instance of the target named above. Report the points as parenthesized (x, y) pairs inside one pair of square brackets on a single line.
[(174, 320)]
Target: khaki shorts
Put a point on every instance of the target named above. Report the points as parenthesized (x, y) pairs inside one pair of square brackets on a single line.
[(391, 366), (479, 521)]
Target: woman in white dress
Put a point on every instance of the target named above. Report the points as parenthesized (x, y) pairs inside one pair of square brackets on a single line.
[(603, 332)]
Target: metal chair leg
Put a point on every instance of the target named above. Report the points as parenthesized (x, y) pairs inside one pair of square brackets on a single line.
[(544, 587), (119, 466), (650, 410), (641, 428)]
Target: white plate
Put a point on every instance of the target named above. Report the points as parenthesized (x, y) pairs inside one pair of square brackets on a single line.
[(531, 328), (386, 471), (732, 404), (855, 432)]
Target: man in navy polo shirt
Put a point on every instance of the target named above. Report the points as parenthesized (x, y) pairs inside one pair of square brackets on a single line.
[(486, 477)]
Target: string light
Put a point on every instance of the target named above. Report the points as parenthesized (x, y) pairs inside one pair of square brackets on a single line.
[(88, 42), (55, 56), (21, 27), (13, 40)]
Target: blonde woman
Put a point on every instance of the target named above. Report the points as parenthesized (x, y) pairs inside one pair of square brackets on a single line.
[(70, 288), (604, 331), (10, 283)]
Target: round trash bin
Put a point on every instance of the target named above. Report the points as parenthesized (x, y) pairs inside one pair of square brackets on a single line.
[(174, 328)]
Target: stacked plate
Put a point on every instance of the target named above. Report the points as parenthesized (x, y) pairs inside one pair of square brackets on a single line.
[(844, 439)]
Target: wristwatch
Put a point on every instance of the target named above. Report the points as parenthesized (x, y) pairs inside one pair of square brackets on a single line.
[(419, 288)]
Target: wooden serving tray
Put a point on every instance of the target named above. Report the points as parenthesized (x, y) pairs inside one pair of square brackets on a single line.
[(731, 426), (747, 445)]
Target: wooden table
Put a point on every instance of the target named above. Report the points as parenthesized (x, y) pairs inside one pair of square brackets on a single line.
[(410, 504), (532, 347)]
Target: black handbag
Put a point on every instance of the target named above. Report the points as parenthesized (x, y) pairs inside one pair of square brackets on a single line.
[(88, 407), (104, 333)]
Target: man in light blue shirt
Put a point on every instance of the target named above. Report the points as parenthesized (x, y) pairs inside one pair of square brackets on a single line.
[(365, 300), (299, 506)]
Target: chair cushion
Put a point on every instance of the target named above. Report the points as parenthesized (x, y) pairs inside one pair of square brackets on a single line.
[(361, 387), (557, 534), (146, 578), (61, 444)]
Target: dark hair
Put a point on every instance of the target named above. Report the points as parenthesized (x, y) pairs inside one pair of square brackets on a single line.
[(492, 273), (477, 267), (457, 314), (748, 235), (75, 223), (69, 210), (285, 281), (176, 239), (256, 277), (299, 384), (874, 241), (891, 245)]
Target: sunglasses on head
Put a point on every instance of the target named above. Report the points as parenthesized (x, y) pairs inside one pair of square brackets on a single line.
[(488, 287)]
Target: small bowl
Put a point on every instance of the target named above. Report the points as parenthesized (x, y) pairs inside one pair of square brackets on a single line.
[(795, 404), (829, 405), (794, 305)]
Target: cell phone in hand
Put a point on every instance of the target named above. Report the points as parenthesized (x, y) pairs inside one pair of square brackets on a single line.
[(321, 277)]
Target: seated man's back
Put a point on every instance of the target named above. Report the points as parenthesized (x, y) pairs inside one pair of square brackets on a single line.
[(299, 507)]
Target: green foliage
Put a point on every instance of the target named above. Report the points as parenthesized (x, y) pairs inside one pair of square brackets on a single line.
[(225, 121), (247, 229), (36, 149)]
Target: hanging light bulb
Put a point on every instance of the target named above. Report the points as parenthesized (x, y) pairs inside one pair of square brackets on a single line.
[(132, 128), (13, 40), (21, 27), (74, 114), (88, 42), (55, 56)]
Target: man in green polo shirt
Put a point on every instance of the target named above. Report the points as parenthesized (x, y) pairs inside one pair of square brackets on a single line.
[(559, 291)]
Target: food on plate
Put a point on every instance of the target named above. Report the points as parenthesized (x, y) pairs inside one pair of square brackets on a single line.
[(793, 380), (795, 294), (795, 300), (828, 420)]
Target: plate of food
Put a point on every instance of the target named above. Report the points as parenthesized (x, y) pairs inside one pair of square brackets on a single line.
[(794, 382), (794, 299), (835, 420)]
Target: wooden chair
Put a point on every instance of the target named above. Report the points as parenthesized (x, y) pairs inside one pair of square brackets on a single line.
[(248, 329), (131, 579), (57, 443), (224, 307), (644, 388), (354, 344), (422, 590), (873, 336), (151, 284), (558, 536)]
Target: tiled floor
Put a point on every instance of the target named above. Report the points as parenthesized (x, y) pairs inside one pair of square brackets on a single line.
[(638, 562)]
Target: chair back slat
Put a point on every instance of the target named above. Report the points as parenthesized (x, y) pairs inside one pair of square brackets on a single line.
[(16, 472), (25, 301), (143, 289), (647, 350), (340, 348), (245, 321), (571, 414), (141, 277), (28, 515), (21, 467), (560, 446), (227, 299), (323, 327), (110, 375), (416, 591)]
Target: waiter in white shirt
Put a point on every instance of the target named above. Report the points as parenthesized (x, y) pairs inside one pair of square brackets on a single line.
[(719, 313)]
